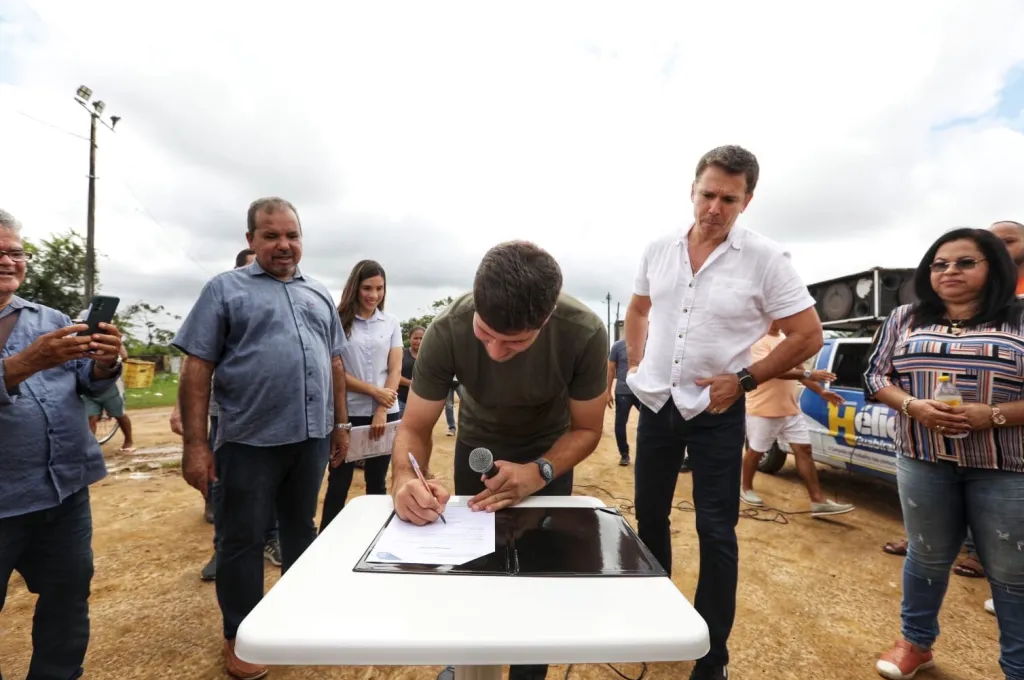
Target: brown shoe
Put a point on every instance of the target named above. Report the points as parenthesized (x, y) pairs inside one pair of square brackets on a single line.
[(903, 661), (237, 668)]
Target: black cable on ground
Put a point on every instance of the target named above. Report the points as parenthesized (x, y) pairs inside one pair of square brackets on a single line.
[(643, 672)]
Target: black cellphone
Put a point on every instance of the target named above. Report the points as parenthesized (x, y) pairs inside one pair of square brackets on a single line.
[(101, 310)]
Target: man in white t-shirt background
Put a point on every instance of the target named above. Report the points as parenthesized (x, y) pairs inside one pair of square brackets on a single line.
[(703, 296), (773, 413)]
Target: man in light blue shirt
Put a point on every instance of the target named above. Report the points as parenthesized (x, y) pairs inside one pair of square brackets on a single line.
[(273, 340), (49, 460)]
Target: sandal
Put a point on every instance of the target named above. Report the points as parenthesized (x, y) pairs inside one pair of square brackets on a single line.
[(896, 547), (969, 567)]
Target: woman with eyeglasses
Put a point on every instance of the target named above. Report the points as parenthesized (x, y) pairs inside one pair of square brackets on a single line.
[(958, 467)]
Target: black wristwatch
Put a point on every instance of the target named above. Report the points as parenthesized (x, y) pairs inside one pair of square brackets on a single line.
[(547, 470), (747, 381)]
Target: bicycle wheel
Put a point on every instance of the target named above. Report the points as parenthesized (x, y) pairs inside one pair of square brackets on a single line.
[(106, 427)]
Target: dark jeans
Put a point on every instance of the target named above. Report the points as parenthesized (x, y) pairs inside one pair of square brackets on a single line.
[(940, 501), (624, 403), (271, 533), (468, 483), (715, 447), (52, 550), (254, 480), (339, 479)]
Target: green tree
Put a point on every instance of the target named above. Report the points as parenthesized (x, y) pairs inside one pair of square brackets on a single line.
[(141, 325), (435, 308), (55, 276)]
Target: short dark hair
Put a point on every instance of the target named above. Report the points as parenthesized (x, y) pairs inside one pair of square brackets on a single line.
[(269, 205), (733, 160), (999, 303), (516, 287), (242, 256)]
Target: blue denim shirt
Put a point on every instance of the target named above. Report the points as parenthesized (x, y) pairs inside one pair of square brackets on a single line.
[(272, 343), (48, 452)]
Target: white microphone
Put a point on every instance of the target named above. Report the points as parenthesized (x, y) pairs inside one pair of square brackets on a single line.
[(481, 461)]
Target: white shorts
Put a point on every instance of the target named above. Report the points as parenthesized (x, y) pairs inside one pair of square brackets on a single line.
[(763, 432)]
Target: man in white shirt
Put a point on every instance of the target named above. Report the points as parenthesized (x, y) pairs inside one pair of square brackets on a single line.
[(702, 297)]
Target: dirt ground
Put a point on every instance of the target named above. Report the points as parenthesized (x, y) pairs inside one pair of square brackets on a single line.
[(816, 598)]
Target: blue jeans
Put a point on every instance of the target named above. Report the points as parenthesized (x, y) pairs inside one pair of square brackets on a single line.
[(714, 444), (255, 480), (624, 403), (52, 550), (940, 501), (271, 533), (449, 408)]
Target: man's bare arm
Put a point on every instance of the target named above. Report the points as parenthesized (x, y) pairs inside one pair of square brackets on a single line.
[(414, 435), (573, 447), (803, 338), (194, 399), (338, 387), (636, 328), (611, 375)]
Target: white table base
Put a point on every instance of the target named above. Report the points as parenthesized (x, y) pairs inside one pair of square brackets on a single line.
[(478, 672)]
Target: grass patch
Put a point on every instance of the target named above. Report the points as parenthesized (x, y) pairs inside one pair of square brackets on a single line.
[(163, 392)]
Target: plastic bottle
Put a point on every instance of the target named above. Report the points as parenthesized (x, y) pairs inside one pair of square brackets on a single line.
[(947, 393)]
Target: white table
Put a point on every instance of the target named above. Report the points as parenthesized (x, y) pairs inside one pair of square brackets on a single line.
[(323, 613)]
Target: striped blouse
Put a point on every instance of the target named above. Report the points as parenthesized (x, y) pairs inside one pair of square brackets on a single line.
[(986, 364)]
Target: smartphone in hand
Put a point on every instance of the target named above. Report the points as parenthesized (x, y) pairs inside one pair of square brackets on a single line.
[(101, 310)]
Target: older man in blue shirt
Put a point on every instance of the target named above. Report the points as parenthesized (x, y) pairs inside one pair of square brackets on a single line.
[(273, 340), (48, 459)]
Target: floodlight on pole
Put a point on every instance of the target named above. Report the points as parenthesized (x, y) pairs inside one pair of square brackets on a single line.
[(82, 96)]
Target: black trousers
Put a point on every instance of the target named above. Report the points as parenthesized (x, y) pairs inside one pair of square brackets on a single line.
[(715, 445), (339, 479), (468, 483), (624, 403), (254, 480), (52, 550)]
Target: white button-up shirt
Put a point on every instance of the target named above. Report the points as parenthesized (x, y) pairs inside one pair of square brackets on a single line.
[(365, 356), (704, 324)]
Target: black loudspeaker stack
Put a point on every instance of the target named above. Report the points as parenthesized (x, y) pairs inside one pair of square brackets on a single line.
[(869, 296)]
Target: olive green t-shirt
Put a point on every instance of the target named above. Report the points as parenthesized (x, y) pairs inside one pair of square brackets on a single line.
[(522, 402)]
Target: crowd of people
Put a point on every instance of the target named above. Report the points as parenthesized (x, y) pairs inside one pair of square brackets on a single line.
[(717, 338)]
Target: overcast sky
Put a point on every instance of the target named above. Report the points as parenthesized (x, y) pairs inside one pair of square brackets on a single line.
[(420, 134)]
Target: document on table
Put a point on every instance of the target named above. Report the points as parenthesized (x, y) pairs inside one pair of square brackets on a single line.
[(466, 536), (360, 445)]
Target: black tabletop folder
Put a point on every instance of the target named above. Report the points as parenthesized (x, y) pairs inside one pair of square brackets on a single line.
[(546, 542)]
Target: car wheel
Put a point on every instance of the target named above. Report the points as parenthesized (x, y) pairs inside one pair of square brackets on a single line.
[(772, 460)]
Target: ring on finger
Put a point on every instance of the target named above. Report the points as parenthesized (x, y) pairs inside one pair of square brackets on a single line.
[(939, 428)]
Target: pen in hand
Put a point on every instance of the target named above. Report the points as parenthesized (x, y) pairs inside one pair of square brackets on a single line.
[(416, 468)]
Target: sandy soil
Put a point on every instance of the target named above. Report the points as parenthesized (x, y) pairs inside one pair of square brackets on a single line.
[(817, 599)]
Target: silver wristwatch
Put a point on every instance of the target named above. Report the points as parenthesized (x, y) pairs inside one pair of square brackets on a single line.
[(807, 375), (343, 426)]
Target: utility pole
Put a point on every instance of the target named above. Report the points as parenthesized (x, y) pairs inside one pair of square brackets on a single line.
[(82, 96)]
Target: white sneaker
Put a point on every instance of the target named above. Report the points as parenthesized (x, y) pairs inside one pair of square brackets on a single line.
[(750, 498), (830, 507), (990, 606)]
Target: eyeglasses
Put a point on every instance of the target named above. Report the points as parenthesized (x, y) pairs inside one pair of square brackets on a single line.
[(16, 255), (964, 264)]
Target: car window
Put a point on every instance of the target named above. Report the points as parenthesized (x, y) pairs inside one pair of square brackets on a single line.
[(849, 364)]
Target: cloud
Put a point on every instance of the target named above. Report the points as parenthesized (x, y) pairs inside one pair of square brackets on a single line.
[(421, 136)]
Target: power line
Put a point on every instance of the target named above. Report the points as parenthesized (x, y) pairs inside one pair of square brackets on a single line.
[(127, 186), (51, 125)]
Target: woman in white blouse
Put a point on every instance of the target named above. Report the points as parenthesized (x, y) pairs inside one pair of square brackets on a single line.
[(373, 368)]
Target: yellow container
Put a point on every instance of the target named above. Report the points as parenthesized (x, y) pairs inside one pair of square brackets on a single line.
[(138, 374)]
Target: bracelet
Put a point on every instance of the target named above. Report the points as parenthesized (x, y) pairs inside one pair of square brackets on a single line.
[(906, 403)]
